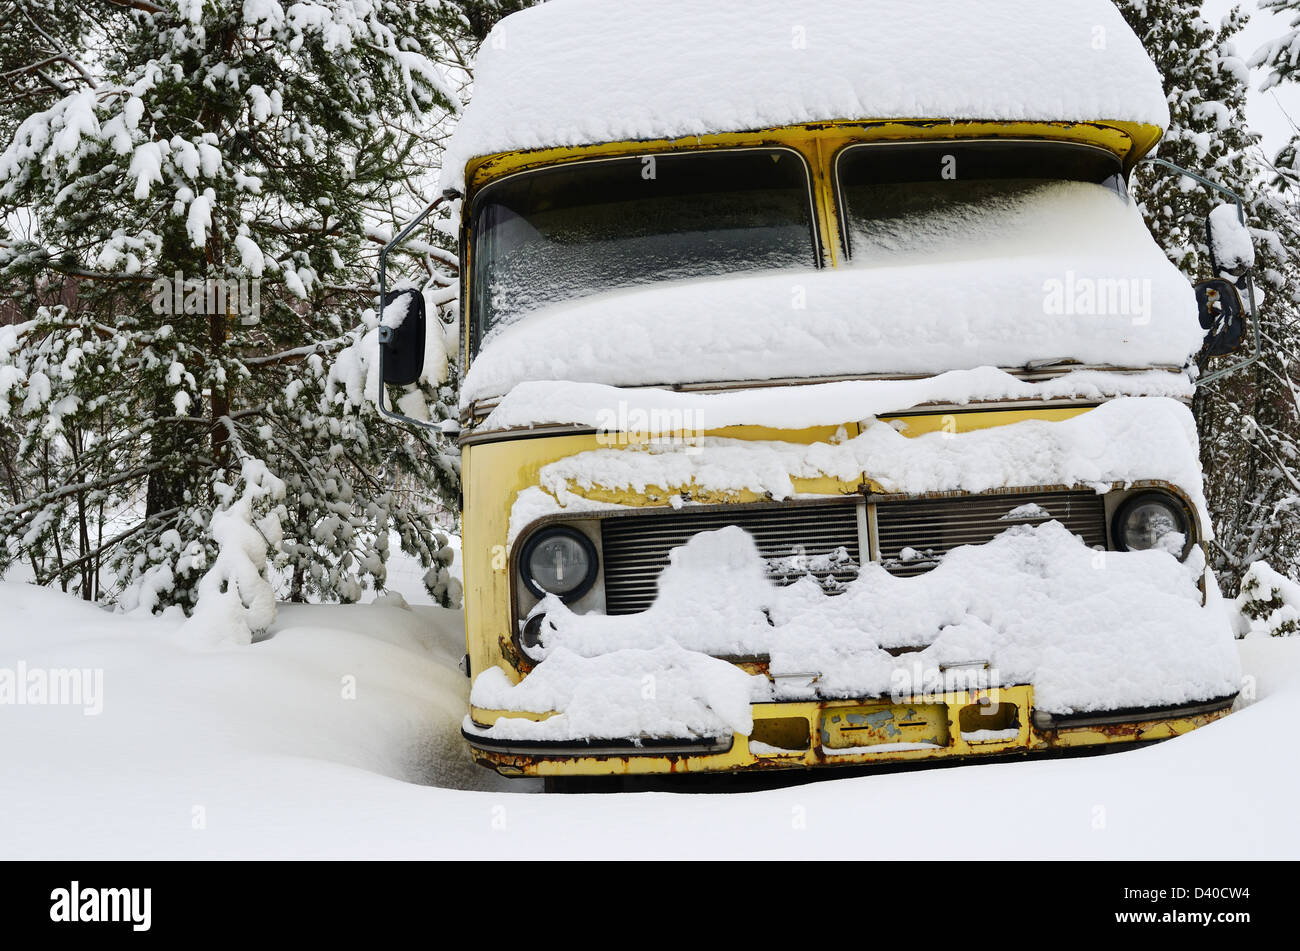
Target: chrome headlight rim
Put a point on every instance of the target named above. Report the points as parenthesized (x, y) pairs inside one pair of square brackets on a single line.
[(567, 531), (1177, 506)]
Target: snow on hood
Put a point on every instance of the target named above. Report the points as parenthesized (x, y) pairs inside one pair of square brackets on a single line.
[(1073, 275), (652, 412), (1122, 441), (1119, 443), (575, 72), (1090, 630)]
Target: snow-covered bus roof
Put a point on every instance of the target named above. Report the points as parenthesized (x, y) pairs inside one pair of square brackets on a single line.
[(581, 72)]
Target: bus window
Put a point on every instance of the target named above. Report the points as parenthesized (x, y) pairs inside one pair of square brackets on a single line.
[(575, 230), (953, 197)]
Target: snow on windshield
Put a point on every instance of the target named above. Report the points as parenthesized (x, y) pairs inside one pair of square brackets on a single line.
[(962, 199), (562, 233), (1073, 274)]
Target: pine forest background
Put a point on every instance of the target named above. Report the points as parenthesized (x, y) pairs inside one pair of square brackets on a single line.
[(151, 460)]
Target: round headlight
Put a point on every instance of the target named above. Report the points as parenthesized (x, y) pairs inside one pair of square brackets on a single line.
[(559, 561), (1153, 520)]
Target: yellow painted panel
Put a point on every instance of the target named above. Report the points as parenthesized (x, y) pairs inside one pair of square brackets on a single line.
[(966, 422), (819, 141), (492, 475)]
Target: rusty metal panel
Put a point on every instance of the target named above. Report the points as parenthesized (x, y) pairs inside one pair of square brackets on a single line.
[(845, 728)]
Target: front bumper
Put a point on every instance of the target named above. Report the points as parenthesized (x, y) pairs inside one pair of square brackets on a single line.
[(967, 725)]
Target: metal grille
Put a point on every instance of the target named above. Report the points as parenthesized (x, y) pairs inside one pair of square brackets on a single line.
[(914, 534), (796, 540)]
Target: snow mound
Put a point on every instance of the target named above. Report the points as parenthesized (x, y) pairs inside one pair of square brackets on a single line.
[(573, 72), (189, 760), (196, 743), (1269, 602), (661, 691), (1090, 630), (1234, 249)]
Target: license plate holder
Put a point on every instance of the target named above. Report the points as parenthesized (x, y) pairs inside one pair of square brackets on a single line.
[(885, 725)]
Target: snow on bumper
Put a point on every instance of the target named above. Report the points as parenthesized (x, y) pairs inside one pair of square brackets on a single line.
[(1034, 610)]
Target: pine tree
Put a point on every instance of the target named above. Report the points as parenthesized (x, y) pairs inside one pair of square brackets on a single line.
[(172, 150), (1248, 422), (1280, 57), (1280, 60)]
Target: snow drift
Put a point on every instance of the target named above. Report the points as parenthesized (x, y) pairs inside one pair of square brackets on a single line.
[(253, 752)]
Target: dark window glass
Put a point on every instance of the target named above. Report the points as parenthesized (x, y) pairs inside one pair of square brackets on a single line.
[(568, 232), (947, 197)]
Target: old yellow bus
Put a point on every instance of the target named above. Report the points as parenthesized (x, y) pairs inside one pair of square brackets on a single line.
[(824, 398)]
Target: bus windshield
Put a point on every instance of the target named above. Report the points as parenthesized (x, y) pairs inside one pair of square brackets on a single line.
[(958, 199), (568, 232)]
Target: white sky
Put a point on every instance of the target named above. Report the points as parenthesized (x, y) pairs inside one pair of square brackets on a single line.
[(1268, 111)]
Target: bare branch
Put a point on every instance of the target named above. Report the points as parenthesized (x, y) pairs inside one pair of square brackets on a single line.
[(142, 5), (68, 567), (299, 353)]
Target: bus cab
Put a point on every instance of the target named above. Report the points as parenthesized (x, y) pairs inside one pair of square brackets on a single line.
[(824, 397)]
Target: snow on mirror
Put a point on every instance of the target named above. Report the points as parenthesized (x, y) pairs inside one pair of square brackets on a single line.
[(570, 232), (403, 340), (1231, 245)]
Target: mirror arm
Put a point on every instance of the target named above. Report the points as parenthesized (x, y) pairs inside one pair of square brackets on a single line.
[(1258, 351), (385, 332)]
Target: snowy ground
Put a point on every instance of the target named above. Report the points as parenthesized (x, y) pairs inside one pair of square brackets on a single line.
[(259, 751)]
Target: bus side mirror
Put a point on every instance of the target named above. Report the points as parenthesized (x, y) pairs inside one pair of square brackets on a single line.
[(1232, 250), (1222, 316), (401, 337)]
